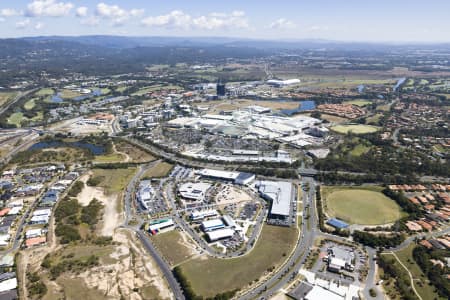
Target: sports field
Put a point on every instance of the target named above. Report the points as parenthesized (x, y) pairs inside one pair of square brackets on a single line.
[(365, 206), (355, 128), (211, 276), (358, 102), (45, 92)]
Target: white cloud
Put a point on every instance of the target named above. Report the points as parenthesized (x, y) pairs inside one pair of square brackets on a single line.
[(39, 26), (2, 20), (136, 12), (215, 20), (117, 14), (91, 21), (282, 23), (23, 24), (8, 12), (174, 19), (81, 11), (48, 8)]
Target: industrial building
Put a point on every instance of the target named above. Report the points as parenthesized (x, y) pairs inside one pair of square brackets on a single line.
[(281, 83), (220, 234), (211, 225), (200, 215), (235, 177), (229, 221), (279, 193), (194, 190), (145, 193), (339, 259), (156, 226), (247, 124)]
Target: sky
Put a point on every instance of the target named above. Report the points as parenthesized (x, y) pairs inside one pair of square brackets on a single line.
[(342, 20)]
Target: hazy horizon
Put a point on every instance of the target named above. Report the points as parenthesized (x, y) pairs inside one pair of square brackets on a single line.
[(382, 21)]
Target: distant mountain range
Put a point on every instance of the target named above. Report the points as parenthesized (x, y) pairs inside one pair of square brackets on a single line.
[(124, 42)]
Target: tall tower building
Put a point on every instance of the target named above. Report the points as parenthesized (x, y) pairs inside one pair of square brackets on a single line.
[(221, 91)]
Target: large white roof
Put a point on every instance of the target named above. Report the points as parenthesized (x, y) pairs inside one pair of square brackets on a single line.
[(218, 174), (220, 234), (212, 223), (9, 284), (281, 193)]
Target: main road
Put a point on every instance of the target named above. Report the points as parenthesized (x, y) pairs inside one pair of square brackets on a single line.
[(307, 236), (142, 235)]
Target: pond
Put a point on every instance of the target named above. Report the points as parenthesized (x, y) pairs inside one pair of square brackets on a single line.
[(303, 106), (94, 149), (57, 98)]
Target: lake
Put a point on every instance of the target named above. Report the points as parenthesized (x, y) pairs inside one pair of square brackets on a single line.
[(94, 149), (399, 83), (303, 106)]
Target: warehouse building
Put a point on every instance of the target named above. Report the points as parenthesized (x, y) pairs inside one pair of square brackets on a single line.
[(235, 177), (220, 234), (279, 193), (212, 225)]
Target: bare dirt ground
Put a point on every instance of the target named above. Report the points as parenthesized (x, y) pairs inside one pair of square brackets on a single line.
[(230, 195), (130, 271), (111, 218), (126, 270)]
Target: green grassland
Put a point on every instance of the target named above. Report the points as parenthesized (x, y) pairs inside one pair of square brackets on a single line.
[(16, 119), (421, 282), (211, 276), (160, 170), (30, 104), (358, 102), (170, 245), (374, 119), (134, 153), (149, 89), (105, 91), (63, 154), (355, 128), (360, 205), (340, 82), (359, 150), (45, 92), (121, 89), (109, 158), (5, 97), (69, 94), (114, 180)]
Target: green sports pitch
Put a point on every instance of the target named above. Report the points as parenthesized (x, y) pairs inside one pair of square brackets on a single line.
[(364, 206)]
